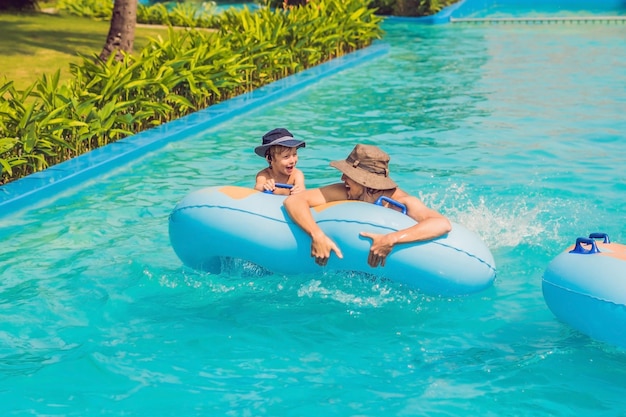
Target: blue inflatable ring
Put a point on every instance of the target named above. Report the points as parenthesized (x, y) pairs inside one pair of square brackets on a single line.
[(585, 287), (237, 222)]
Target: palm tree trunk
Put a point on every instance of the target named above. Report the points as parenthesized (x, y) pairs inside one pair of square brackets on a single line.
[(121, 35)]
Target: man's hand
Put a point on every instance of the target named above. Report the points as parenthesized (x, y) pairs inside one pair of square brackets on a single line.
[(381, 247), (321, 246)]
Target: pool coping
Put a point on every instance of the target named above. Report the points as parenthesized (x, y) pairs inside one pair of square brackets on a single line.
[(28, 190), (456, 13)]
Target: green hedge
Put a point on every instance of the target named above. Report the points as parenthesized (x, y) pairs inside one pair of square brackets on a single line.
[(188, 14), (413, 8), (103, 102)]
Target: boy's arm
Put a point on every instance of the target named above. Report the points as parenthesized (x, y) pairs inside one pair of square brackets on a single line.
[(261, 179), (298, 182)]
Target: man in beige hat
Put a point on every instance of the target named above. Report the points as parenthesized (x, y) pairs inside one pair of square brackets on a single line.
[(365, 178)]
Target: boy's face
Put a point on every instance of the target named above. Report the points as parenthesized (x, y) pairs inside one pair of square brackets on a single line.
[(284, 159)]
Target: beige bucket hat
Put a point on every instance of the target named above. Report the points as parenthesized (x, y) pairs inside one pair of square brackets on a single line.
[(367, 165)]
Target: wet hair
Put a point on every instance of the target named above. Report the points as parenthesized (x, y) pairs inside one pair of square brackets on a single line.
[(372, 194), (275, 149)]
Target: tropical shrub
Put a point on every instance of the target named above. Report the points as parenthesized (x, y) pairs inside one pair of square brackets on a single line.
[(188, 14), (95, 9), (286, 3), (103, 102), (410, 7), (385, 7)]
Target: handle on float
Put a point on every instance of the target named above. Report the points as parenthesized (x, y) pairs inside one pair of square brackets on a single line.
[(401, 206), (279, 185), (600, 236), (585, 241)]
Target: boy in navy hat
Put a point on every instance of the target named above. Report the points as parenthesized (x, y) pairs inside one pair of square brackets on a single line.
[(280, 150)]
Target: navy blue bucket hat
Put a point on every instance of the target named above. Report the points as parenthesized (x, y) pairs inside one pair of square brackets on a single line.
[(279, 136)]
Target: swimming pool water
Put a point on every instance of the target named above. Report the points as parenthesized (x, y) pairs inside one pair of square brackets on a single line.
[(515, 131), (543, 11), (529, 9), (220, 6)]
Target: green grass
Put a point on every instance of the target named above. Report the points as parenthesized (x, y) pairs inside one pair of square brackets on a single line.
[(40, 43)]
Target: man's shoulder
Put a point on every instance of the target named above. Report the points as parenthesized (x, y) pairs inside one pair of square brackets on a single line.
[(334, 192), (404, 197), (399, 193)]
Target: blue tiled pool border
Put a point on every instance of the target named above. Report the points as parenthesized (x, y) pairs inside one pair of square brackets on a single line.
[(28, 190), (465, 8)]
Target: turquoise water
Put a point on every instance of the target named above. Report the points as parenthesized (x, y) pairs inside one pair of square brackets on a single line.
[(219, 6), (543, 11), (515, 131), (225, 6), (525, 9)]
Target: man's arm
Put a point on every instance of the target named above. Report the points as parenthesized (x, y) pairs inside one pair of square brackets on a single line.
[(431, 224), (298, 207)]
